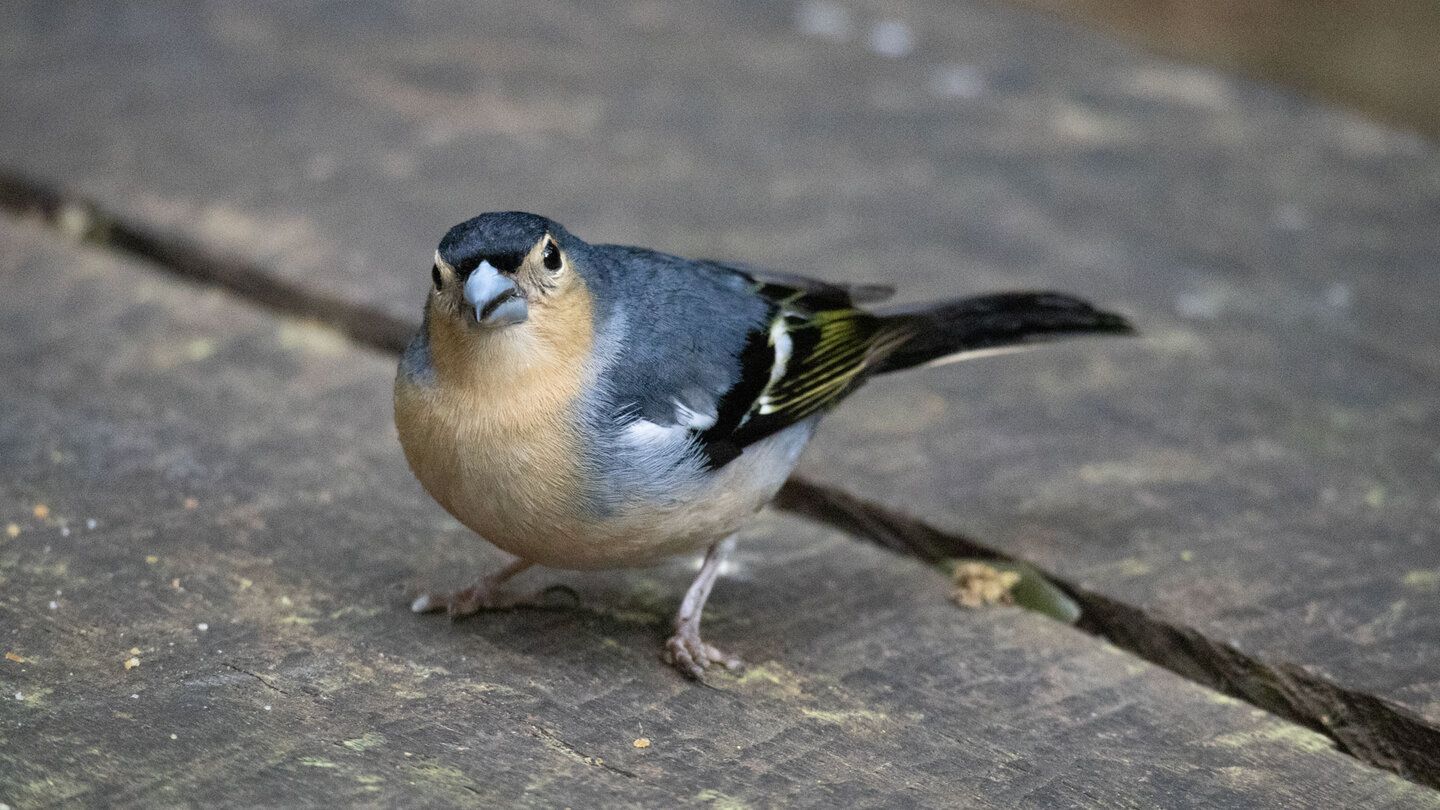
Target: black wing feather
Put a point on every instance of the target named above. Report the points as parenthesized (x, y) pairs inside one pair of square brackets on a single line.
[(821, 347)]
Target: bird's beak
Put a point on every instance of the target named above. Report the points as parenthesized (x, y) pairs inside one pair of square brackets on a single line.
[(496, 299)]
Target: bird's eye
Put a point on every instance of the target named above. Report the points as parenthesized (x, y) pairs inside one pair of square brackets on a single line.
[(435, 276), (551, 256)]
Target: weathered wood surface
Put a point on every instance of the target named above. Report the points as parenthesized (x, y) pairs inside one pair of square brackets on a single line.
[(1260, 468), (203, 604)]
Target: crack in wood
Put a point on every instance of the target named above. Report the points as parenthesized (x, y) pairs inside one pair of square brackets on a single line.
[(82, 219), (261, 678), (1367, 727), (1362, 725)]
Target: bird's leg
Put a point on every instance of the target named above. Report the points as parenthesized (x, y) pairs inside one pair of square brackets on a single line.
[(483, 594), (685, 650)]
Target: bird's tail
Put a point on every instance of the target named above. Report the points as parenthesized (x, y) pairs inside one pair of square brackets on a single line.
[(937, 333)]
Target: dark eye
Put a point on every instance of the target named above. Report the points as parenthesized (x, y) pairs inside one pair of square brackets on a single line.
[(435, 275), (551, 256)]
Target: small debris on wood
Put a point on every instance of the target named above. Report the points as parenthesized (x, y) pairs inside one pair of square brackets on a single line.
[(978, 585)]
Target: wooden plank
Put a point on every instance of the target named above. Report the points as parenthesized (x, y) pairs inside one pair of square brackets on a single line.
[(1274, 492), (202, 604), (1260, 469), (296, 136)]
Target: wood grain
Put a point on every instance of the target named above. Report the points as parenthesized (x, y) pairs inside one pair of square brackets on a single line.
[(209, 609)]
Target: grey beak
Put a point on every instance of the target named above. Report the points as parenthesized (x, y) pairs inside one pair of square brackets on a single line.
[(496, 299)]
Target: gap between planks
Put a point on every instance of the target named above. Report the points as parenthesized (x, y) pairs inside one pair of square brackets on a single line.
[(1362, 725)]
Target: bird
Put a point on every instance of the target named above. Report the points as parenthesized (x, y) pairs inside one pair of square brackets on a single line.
[(595, 406)]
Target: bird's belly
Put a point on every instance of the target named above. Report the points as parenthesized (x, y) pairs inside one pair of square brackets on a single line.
[(704, 509), (516, 486), (524, 492), (563, 532)]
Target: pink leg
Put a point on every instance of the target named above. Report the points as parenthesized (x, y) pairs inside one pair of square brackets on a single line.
[(483, 594), (685, 650)]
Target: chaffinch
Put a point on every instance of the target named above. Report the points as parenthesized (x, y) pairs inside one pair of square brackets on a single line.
[(600, 406)]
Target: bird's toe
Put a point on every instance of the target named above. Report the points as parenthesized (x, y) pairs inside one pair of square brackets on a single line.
[(692, 656)]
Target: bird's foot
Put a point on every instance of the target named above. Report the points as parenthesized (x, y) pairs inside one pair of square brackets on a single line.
[(687, 652), (466, 601), (482, 595)]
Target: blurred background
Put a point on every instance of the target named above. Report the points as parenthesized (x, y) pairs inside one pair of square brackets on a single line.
[(1380, 56)]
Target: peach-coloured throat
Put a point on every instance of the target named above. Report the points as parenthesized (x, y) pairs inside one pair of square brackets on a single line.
[(517, 375)]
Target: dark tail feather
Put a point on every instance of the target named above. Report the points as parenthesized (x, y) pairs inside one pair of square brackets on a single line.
[(938, 331)]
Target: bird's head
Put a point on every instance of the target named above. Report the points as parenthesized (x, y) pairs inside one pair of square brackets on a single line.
[(494, 271)]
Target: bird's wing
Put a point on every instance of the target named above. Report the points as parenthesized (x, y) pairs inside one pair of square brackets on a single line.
[(812, 350), (744, 352)]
